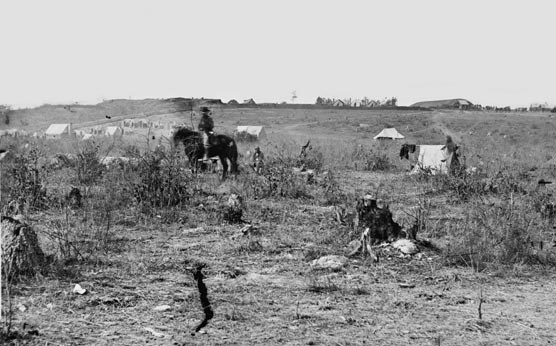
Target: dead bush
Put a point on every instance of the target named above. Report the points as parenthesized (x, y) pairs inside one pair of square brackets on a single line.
[(370, 160), (23, 181), (160, 182), (496, 235)]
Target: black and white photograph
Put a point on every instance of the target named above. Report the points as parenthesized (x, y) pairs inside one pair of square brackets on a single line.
[(311, 172)]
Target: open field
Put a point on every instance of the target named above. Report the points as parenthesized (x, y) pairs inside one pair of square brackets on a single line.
[(481, 277)]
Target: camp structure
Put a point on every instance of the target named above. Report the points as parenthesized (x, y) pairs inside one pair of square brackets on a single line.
[(431, 159), (389, 133), (80, 133), (113, 131), (58, 131), (87, 137), (257, 131), (445, 104)]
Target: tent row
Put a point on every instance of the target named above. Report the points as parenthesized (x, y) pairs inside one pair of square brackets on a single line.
[(66, 131)]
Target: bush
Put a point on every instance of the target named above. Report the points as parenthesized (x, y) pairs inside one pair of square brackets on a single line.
[(370, 160), (24, 183), (464, 186), (87, 164), (276, 179), (496, 234), (161, 182)]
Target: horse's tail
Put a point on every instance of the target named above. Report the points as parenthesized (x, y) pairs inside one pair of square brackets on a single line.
[(233, 156)]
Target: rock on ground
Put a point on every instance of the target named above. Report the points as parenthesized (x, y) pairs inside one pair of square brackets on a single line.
[(333, 262), (406, 246)]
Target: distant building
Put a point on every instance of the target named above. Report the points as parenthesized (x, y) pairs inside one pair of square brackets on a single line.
[(445, 104), (540, 107), (113, 131), (338, 103), (233, 102), (249, 102), (389, 133), (257, 131), (58, 131)]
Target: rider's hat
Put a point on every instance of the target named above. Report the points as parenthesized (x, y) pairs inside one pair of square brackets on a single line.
[(205, 110)]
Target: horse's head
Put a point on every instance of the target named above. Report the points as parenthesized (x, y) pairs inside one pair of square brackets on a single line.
[(182, 134)]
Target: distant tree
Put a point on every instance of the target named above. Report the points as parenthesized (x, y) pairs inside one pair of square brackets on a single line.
[(365, 101), (391, 102), (5, 112), (320, 101)]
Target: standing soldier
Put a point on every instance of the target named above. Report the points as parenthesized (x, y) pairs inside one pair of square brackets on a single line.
[(206, 125), (258, 158)]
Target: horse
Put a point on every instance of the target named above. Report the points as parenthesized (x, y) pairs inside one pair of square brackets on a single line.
[(222, 146)]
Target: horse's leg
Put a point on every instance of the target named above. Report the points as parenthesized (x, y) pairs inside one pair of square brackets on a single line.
[(224, 163)]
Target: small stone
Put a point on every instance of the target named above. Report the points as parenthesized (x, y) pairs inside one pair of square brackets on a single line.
[(332, 262), (162, 308)]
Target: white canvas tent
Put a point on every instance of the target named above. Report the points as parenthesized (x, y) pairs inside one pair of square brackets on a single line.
[(257, 131), (431, 157), (58, 130), (113, 131), (389, 133)]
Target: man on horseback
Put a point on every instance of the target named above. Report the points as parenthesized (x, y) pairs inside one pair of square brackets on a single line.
[(206, 125)]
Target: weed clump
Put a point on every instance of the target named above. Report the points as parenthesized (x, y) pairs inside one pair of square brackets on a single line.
[(25, 182), (370, 160), (160, 182)]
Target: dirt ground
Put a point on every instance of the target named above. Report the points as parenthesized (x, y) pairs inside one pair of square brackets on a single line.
[(264, 291), (274, 297)]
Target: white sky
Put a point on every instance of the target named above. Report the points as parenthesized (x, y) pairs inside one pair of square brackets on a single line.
[(488, 51)]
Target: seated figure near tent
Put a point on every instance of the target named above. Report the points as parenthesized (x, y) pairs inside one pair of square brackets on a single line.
[(451, 155), (258, 160), (407, 149)]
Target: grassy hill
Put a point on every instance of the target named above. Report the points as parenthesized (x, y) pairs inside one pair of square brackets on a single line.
[(484, 136), (38, 119)]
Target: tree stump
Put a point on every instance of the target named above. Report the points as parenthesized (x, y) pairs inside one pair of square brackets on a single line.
[(378, 220), (233, 212), (21, 253)]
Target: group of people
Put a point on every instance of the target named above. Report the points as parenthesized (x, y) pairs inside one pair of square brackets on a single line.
[(206, 127)]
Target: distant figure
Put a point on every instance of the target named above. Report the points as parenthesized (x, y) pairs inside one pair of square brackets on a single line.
[(450, 145), (407, 149), (108, 117), (258, 160), (451, 156), (206, 125), (304, 149)]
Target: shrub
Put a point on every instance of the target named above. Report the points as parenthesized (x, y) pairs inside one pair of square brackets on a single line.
[(87, 164), (370, 160), (496, 234), (276, 179), (160, 181), (24, 183), (311, 159), (5, 112)]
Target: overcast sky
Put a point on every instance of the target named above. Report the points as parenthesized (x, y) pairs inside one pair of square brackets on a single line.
[(490, 52)]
